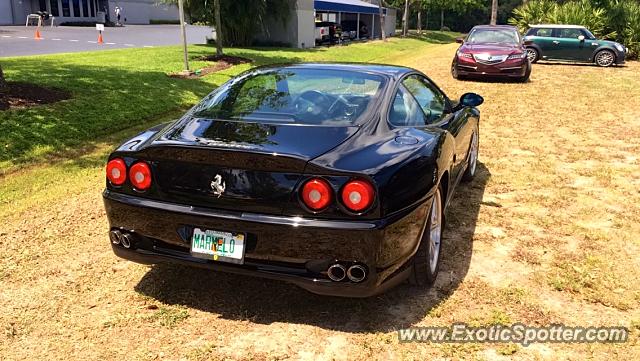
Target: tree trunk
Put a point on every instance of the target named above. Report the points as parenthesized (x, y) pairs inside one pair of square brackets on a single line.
[(3, 82), (381, 17), (441, 19), (216, 4), (419, 21), (494, 12), (405, 18), (426, 20)]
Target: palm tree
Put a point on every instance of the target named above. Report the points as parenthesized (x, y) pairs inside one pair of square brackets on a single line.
[(381, 16), (494, 12)]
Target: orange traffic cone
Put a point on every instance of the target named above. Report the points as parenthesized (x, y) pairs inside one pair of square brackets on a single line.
[(100, 41), (38, 36)]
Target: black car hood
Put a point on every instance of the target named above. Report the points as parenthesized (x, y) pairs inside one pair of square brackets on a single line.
[(301, 141)]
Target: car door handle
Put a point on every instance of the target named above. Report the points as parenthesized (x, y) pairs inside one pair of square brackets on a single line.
[(556, 42)]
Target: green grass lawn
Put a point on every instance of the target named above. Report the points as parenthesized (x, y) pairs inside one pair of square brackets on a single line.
[(119, 89)]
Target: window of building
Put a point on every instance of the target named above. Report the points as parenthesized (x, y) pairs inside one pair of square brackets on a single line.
[(85, 8), (54, 7), (76, 8), (66, 10)]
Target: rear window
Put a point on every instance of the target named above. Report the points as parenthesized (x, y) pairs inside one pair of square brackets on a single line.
[(302, 96)]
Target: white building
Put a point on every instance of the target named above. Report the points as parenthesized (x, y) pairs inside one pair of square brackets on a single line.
[(299, 31), (15, 12)]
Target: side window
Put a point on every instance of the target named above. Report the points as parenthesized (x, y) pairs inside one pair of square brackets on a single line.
[(570, 33), (544, 32), (405, 111), (431, 100)]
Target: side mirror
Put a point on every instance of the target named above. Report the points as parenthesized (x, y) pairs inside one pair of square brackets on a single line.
[(471, 100), (527, 42), (460, 40), (581, 38)]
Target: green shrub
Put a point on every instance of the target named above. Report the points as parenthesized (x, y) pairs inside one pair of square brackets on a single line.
[(631, 36), (582, 13), (531, 13)]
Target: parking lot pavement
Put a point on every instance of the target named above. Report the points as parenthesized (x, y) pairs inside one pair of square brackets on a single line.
[(19, 40)]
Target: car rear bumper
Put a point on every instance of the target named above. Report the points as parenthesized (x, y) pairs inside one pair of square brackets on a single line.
[(291, 249)]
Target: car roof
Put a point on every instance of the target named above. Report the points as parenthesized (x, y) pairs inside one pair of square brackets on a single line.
[(495, 27), (390, 70), (558, 26)]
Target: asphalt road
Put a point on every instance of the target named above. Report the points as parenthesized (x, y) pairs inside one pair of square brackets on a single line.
[(19, 40)]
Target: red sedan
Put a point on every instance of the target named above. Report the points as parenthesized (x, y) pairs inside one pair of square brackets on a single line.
[(492, 51)]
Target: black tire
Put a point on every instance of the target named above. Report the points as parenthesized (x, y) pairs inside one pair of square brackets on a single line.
[(423, 273), (454, 71), (527, 75), (533, 54), (605, 58), (472, 159)]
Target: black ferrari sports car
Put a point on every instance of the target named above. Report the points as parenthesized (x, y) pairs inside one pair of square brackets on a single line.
[(334, 177)]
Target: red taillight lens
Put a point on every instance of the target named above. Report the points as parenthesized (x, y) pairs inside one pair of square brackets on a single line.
[(117, 171), (140, 176), (358, 195), (317, 194)]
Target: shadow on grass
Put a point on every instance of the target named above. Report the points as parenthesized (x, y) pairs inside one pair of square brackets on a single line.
[(576, 64), (104, 100), (434, 37), (259, 56), (263, 301)]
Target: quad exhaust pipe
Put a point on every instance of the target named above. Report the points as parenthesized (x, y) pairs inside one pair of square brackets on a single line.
[(125, 239), (355, 273), (337, 272)]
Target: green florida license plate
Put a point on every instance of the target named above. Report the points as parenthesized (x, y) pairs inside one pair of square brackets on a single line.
[(218, 246)]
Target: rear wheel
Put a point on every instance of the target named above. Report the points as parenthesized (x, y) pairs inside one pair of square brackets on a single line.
[(533, 55), (472, 160), (605, 58), (426, 261)]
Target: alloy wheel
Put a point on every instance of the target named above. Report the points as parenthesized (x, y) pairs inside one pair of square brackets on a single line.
[(532, 55), (473, 154), (605, 58), (435, 232)]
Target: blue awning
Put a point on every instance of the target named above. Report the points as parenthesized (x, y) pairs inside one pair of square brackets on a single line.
[(346, 6)]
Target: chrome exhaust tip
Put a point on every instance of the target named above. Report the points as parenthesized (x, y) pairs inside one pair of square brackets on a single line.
[(357, 273), (337, 272), (115, 236), (126, 240)]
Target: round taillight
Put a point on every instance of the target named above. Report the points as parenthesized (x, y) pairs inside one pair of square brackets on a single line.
[(317, 194), (358, 195), (117, 171), (140, 176)]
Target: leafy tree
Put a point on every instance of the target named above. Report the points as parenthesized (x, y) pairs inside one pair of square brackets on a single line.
[(240, 20)]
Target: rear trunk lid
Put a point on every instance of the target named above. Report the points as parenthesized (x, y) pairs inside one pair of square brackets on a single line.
[(236, 165)]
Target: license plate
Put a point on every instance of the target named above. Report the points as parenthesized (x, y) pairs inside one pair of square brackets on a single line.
[(218, 246)]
